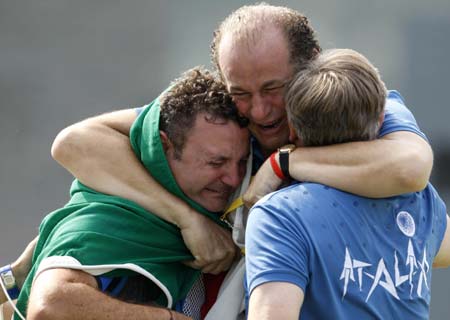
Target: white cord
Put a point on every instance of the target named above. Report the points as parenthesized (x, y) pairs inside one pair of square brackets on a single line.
[(10, 301)]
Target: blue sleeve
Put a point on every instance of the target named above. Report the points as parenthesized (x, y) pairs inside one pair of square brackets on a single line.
[(275, 250), (110, 285), (139, 110), (397, 117)]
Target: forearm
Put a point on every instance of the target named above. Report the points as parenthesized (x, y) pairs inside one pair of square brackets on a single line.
[(21, 267), (399, 163), (6, 310), (64, 294), (2, 297), (97, 151), (79, 301)]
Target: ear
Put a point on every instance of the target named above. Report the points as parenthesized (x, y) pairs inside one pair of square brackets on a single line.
[(166, 143), (380, 120), (292, 133), (293, 137)]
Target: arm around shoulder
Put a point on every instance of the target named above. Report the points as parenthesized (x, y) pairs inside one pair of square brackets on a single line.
[(98, 152), (397, 163), (83, 146), (65, 294), (413, 162)]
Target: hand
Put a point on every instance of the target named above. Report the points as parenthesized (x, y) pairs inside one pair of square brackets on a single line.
[(21, 267), (264, 182), (211, 245)]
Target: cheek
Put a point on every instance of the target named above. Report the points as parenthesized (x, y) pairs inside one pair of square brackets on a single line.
[(278, 103), (243, 107), (212, 176)]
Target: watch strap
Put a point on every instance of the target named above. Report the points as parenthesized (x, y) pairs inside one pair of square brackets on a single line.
[(283, 155), (276, 168)]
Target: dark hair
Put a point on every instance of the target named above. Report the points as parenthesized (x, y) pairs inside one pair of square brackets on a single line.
[(196, 91), (250, 20), (338, 97)]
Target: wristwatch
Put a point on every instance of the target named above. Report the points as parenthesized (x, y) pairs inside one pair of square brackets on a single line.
[(283, 154), (7, 277)]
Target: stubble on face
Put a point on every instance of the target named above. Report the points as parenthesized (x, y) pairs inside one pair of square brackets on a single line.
[(210, 156), (251, 67)]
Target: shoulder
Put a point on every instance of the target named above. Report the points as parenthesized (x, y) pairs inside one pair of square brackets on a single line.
[(302, 200), (305, 191), (397, 117), (395, 103)]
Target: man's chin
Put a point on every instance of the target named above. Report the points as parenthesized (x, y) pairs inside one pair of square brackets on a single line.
[(218, 206)]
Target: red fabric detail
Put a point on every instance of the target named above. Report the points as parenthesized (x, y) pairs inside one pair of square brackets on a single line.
[(275, 167), (212, 285)]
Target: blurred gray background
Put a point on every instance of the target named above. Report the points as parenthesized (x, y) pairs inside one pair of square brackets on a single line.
[(62, 61)]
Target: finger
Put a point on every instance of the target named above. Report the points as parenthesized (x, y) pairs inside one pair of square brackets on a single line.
[(213, 268), (195, 264), (220, 265)]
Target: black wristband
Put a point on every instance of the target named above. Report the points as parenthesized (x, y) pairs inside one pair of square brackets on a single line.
[(283, 154)]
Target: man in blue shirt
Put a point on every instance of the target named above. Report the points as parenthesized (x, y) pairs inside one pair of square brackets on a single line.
[(315, 252)]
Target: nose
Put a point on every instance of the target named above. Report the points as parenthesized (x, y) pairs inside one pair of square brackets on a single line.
[(260, 108), (232, 176)]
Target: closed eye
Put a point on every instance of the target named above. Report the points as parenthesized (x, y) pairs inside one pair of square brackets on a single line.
[(215, 164), (239, 94), (274, 88)]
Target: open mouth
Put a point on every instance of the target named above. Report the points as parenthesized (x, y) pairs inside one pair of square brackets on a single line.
[(274, 125), (220, 193)]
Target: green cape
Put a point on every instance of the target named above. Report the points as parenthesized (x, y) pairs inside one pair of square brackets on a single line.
[(98, 229)]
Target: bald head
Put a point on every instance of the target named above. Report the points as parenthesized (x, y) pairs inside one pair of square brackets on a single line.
[(249, 24)]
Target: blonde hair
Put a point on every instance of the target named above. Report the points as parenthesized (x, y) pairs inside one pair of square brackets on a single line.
[(338, 97)]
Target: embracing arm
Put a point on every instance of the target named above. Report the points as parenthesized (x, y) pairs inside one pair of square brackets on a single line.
[(97, 151), (397, 163), (65, 294), (275, 300)]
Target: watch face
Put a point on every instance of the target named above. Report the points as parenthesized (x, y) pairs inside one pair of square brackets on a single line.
[(8, 279), (287, 148)]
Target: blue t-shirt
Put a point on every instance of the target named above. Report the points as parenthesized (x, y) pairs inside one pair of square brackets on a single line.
[(353, 257), (397, 116)]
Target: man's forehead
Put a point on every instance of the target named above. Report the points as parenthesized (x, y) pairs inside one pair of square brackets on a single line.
[(251, 33), (267, 58), (222, 131)]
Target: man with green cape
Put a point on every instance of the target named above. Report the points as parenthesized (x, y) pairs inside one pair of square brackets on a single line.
[(197, 146)]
